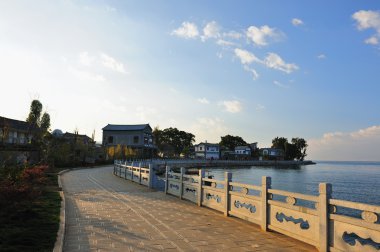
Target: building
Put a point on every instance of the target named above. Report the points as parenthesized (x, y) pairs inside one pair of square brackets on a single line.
[(243, 151), (16, 141), (131, 140), (207, 151), (15, 132), (271, 154)]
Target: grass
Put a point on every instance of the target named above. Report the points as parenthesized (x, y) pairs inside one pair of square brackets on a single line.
[(32, 226)]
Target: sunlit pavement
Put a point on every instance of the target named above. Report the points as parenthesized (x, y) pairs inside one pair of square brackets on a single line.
[(107, 213)]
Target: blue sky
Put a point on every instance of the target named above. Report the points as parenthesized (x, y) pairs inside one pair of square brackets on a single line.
[(257, 69)]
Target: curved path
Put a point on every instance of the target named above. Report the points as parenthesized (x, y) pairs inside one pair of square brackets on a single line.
[(107, 213)]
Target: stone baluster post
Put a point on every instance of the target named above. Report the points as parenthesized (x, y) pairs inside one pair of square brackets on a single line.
[(140, 165), (325, 190), (167, 179), (227, 180), (151, 176), (200, 191), (183, 170), (265, 185), (131, 167)]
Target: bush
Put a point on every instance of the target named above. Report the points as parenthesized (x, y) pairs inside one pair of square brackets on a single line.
[(21, 185)]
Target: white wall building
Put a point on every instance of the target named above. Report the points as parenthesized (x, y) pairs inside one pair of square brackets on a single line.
[(207, 151)]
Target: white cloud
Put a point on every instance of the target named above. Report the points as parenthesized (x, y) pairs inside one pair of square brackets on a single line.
[(297, 22), (85, 75), (276, 62), (203, 100), (211, 30), (361, 145), (208, 128), (279, 84), (255, 75), (368, 20), (85, 59), (187, 30), (233, 35), (112, 63), (232, 106), (223, 42), (260, 36), (321, 56), (245, 57), (372, 41)]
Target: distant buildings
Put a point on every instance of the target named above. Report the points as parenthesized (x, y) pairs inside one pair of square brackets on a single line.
[(15, 132), (16, 141), (130, 140), (272, 154), (207, 151)]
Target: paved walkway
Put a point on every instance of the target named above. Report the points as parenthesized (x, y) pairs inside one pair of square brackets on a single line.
[(107, 213)]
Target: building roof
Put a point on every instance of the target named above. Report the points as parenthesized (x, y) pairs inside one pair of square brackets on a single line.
[(15, 124), (241, 147), (115, 127), (207, 144)]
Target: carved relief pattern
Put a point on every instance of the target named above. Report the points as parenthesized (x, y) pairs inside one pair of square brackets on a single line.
[(369, 217), (250, 207), (210, 196), (190, 190), (291, 200), (244, 190), (352, 238), (303, 224), (174, 186)]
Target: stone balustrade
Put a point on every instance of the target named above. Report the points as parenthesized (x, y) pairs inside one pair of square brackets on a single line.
[(313, 219)]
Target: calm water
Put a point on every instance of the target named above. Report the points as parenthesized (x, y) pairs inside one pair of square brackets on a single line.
[(353, 181)]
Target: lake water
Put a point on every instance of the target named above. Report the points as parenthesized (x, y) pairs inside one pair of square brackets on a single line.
[(353, 181)]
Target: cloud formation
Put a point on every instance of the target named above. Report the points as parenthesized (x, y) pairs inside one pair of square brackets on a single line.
[(187, 30), (112, 63), (360, 145), (246, 57), (368, 20), (272, 60), (211, 30), (276, 62), (262, 35), (297, 22), (203, 100), (233, 106), (321, 56)]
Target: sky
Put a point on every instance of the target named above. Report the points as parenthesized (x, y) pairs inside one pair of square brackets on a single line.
[(255, 69)]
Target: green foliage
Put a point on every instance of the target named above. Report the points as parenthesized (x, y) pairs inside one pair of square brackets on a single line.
[(173, 142), (231, 142), (35, 113), (294, 150)]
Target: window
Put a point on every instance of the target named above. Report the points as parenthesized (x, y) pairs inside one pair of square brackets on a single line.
[(110, 139), (200, 148), (136, 139)]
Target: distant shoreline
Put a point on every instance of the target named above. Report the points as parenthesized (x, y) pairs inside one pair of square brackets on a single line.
[(236, 163)]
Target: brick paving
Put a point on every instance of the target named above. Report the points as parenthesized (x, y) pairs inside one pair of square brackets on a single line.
[(107, 213)]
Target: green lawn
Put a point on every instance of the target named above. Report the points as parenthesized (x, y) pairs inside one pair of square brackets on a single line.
[(32, 226)]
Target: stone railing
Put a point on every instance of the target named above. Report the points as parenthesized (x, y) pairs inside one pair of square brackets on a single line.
[(134, 171), (311, 219)]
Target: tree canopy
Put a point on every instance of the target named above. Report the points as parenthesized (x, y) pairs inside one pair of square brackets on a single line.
[(294, 150), (172, 141), (231, 142)]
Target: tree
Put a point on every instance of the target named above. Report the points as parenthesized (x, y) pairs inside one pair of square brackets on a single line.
[(231, 142), (301, 146), (280, 143), (172, 141), (294, 150), (39, 128)]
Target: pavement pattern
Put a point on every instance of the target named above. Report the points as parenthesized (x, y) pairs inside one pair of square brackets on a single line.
[(108, 213)]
